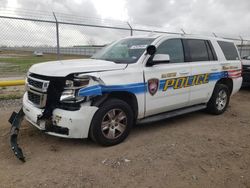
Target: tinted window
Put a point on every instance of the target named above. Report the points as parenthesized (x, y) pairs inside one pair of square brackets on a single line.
[(198, 50), (229, 50), (211, 53), (174, 48)]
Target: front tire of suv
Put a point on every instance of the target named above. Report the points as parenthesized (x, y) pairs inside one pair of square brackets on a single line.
[(219, 100), (111, 123)]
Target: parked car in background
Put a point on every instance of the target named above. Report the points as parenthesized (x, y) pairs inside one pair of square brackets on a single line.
[(38, 53), (246, 57), (246, 70)]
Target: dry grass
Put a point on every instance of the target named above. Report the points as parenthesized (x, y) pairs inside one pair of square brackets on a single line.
[(18, 62)]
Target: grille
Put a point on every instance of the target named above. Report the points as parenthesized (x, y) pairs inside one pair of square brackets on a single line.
[(34, 98), (35, 83), (37, 91)]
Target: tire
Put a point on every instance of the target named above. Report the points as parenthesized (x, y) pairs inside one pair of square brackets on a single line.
[(219, 101), (111, 123)]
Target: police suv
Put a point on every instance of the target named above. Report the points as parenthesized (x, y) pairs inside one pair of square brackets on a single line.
[(246, 70), (133, 80)]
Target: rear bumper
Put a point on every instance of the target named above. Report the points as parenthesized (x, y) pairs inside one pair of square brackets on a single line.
[(67, 124), (237, 83)]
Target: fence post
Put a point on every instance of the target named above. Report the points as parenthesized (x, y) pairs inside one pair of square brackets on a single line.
[(215, 35), (184, 33), (57, 37), (131, 29), (241, 46)]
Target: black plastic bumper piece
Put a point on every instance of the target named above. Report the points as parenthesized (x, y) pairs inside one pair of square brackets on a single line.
[(16, 120), (57, 129)]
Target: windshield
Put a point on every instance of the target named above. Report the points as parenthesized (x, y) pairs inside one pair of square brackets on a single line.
[(124, 51)]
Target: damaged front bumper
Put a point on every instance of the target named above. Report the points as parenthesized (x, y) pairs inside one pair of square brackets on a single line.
[(62, 123), (16, 120)]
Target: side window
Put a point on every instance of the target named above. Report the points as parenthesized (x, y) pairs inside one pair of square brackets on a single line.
[(229, 50), (198, 50), (211, 52), (174, 48)]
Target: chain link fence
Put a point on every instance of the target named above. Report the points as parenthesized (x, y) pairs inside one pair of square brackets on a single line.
[(29, 37)]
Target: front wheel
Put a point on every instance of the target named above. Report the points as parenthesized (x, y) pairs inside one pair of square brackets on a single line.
[(112, 122), (219, 100)]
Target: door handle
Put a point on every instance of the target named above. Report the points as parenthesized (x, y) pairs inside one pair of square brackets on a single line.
[(215, 69), (184, 73)]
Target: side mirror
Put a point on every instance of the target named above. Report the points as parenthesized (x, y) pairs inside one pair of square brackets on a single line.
[(161, 58), (151, 49)]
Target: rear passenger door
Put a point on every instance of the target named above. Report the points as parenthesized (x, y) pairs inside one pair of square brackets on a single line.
[(203, 61)]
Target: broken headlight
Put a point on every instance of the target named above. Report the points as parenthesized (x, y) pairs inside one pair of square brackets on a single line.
[(70, 93)]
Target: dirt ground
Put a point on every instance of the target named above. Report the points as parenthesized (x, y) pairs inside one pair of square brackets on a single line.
[(194, 150)]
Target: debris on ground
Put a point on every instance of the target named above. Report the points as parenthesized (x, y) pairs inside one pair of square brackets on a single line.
[(115, 163)]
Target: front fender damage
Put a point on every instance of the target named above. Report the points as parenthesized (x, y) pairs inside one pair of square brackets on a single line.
[(16, 120)]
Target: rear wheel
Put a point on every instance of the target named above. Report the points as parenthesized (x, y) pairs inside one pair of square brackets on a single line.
[(219, 100), (112, 122)]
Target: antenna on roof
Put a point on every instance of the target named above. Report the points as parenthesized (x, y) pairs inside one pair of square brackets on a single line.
[(215, 35)]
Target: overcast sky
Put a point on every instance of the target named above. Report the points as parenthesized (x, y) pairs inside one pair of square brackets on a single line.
[(228, 17)]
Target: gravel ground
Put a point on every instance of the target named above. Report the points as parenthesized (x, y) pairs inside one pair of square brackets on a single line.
[(194, 150), (6, 104)]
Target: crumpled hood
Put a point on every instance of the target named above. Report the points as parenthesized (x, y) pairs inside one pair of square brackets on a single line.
[(66, 67)]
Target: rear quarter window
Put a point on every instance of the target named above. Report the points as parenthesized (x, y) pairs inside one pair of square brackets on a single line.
[(229, 50)]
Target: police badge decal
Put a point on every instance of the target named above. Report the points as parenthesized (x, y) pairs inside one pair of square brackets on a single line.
[(153, 85)]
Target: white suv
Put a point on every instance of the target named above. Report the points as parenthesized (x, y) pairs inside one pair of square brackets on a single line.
[(133, 80), (246, 70)]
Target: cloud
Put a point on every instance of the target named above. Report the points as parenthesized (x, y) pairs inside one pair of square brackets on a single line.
[(224, 17), (30, 33), (195, 16), (3, 3), (83, 7)]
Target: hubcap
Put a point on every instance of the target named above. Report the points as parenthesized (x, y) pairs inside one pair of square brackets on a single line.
[(221, 100), (114, 123)]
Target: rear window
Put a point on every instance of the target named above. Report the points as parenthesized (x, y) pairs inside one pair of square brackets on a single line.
[(229, 50)]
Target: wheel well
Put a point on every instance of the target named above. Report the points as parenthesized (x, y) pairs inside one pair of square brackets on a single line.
[(127, 97), (228, 82)]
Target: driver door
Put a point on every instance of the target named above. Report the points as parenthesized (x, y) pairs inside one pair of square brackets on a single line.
[(166, 89)]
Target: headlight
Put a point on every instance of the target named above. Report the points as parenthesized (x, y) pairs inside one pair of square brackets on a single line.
[(81, 82), (69, 95), (69, 83)]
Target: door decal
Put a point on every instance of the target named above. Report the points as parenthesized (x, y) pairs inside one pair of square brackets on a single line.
[(153, 85), (183, 82)]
